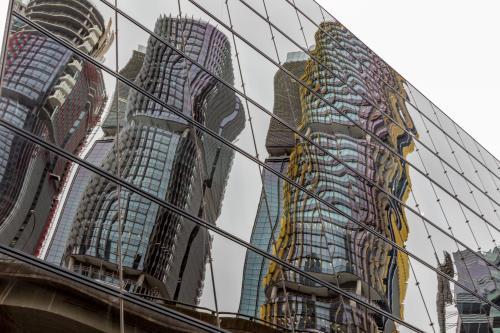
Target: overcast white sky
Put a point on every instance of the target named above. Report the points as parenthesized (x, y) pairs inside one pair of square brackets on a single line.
[(448, 49)]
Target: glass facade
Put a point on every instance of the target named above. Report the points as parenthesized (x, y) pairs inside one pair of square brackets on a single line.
[(239, 165)]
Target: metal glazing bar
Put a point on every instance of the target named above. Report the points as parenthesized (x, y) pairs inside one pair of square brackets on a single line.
[(322, 149), (324, 100), (235, 148), (312, 21)]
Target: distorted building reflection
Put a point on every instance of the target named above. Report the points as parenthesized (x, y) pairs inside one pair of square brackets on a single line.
[(88, 255), (444, 295), (54, 244), (162, 254), (52, 93), (280, 142), (324, 241), (475, 316)]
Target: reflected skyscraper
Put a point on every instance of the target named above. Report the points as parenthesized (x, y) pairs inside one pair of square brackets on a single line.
[(349, 194), (280, 142), (52, 93), (321, 240), (163, 254)]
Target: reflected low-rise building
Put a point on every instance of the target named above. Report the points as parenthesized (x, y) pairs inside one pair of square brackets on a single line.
[(34, 300), (475, 316)]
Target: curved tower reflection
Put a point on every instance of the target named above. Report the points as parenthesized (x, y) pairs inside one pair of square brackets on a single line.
[(54, 94), (319, 239), (163, 255)]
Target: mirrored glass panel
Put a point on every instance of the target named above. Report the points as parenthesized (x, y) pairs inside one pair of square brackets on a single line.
[(239, 165)]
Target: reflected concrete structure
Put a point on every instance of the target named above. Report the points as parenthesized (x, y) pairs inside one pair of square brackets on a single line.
[(34, 300)]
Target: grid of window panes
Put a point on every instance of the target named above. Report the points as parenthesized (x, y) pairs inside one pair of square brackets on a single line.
[(381, 187), (265, 229), (79, 182)]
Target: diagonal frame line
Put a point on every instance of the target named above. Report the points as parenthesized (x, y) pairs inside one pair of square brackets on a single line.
[(239, 150), (418, 109), (51, 147), (322, 149)]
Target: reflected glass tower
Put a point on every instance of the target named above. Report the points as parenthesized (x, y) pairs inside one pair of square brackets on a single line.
[(280, 142), (348, 203), (163, 254), (53, 246), (52, 93), (322, 240)]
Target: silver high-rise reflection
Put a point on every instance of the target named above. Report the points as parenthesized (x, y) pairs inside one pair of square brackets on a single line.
[(163, 254)]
